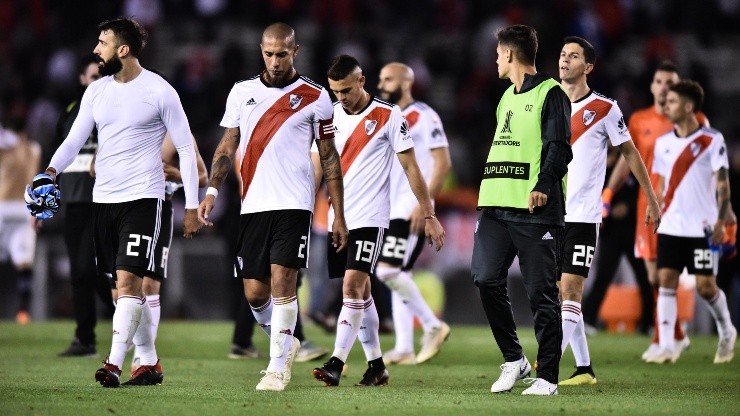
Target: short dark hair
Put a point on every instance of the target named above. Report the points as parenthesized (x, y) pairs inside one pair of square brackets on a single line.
[(666, 66), (691, 90), (589, 53), (521, 38), (341, 66), (85, 61), (128, 32)]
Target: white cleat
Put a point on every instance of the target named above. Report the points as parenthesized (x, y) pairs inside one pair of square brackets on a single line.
[(271, 381), (432, 341), (663, 356), (511, 372), (401, 358), (287, 372), (652, 349), (540, 387), (726, 348)]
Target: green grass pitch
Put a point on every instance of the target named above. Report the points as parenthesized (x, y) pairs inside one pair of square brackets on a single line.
[(201, 380)]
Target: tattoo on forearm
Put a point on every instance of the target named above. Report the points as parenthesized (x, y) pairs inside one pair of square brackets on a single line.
[(220, 168), (330, 162)]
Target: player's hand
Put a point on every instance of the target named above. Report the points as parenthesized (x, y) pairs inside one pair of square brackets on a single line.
[(434, 232), (718, 234), (42, 197), (652, 214), (417, 221), (339, 234), (205, 208), (190, 223), (536, 199), (606, 202)]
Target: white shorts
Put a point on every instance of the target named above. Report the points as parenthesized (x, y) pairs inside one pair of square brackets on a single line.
[(17, 236)]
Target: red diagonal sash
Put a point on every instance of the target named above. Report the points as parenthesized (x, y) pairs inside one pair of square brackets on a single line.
[(412, 117), (578, 127), (268, 125), (682, 165), (360, 138)]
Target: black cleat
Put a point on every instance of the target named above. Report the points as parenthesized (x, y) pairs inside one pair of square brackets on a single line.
[(330, 372), (376, 374), (146, 375), (109, 375), (77, 349)]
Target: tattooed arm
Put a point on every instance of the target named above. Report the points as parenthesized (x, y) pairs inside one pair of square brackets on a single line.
[(223, 158), (332, 168)]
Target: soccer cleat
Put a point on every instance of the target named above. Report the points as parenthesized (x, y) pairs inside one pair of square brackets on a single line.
[(511, 372), (330, 372), (582, 376), (22, 317), (239, 353), (726, 348), (135, 364), (374, 376), (401, 358), (271, 381), (431, 342), (652, 349), (540, 387), (146, 375), (109, 375), (310, 352), (292, 352), (663, 356), (77, 349)]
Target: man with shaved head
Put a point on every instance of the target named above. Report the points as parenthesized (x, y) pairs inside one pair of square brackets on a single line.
[(370, 132), (271, 120), (405, 237)]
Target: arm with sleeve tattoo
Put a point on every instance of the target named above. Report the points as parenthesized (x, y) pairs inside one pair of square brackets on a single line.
[(222, 161), (332, 168)]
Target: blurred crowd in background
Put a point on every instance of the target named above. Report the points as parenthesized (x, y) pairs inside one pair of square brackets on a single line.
[(204, 46)]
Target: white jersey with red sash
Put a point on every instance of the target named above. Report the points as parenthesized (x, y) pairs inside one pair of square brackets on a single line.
[(278, 127), (595, 122), (688, 166), (368, 143)]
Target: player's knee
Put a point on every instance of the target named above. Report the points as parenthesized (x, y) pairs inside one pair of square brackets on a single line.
[(707, 289)]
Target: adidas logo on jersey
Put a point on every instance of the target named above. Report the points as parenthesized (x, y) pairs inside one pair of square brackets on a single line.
[(547, 236), (251, 102)]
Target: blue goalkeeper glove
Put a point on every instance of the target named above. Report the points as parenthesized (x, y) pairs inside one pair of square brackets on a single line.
[(42, 197)]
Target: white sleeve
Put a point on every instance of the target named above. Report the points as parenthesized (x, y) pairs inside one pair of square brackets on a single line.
[(174, 118), (323, 117), (398, 131), (81, 128), (231, 114), (436, 132), (616, 127), (718, 156)]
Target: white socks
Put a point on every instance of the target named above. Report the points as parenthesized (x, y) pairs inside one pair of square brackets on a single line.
[(667, 316), (571, 312), (153, 305), (721, 314), (369, 331), (126, 320), (403, 324), (263, 315), (284, 317), (579, 345), (348, 325)]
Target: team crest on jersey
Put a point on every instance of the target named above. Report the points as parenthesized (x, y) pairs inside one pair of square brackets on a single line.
[(588, 117), (695, 149), (295, 101), (370, 126)]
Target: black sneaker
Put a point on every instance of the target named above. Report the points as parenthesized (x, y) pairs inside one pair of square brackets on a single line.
[(238, 353), (146, 375), (77, 349), (109, 375), (330, 372), (376, 374)]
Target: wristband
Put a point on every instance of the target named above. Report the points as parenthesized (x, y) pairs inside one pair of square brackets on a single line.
[(212, 191), (430, 217)]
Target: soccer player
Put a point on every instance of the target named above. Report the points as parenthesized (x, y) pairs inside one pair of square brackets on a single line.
[(596, 121), (523, 202), (369, 132), (692, 163), (271, 120), (78, 183), (645, 126), (132, 109), (20, 159), (405, 237)]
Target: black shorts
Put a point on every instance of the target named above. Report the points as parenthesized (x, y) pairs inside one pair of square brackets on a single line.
[(578, 247), (162, 251), (400, 247), (272, 237), (361, 253), (126, 235), (690, 252)]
